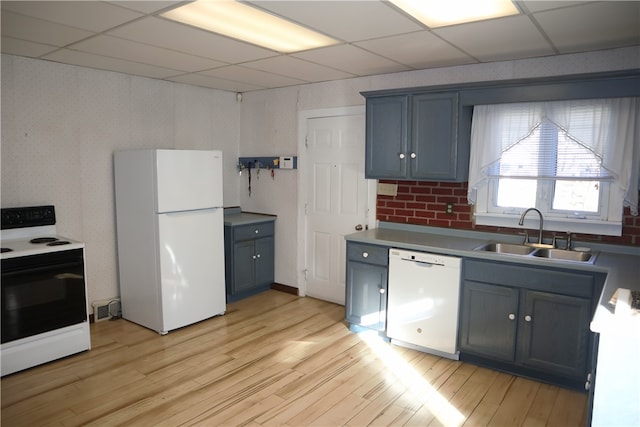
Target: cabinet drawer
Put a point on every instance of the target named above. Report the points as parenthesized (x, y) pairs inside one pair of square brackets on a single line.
[(566, 282), (371, 254), (253, 231)]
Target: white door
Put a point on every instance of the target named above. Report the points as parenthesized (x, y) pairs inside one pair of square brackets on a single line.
[(336, 200)]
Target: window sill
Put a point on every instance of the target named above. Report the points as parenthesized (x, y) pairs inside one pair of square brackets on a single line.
[(582, 226)]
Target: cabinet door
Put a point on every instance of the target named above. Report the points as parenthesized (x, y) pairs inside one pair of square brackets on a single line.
[(264, 262), (555, 333), (244, 266), (489, 320), (366, 298), (387, 137), (433, 153)]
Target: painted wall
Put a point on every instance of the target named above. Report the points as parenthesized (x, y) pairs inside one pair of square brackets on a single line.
[(61, 124)]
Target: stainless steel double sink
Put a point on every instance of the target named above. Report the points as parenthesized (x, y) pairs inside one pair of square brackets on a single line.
[(546, 251)]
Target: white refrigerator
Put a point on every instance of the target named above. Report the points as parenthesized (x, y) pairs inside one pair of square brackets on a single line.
[(170, 236)]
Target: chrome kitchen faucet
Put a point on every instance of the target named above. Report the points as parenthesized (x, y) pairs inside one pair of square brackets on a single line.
[(521, 222)]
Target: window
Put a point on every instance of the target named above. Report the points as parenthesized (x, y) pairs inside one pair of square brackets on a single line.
[(573, 160)]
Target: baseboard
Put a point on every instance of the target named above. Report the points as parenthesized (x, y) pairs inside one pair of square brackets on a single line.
[(284, 288)]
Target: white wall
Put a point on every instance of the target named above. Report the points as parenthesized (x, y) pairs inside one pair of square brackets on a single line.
[(61, 125)]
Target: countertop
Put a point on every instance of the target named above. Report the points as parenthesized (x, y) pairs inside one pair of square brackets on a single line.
[(617, 386), (235, 217)]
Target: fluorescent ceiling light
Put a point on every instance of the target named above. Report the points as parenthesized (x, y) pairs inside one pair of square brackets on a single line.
[(439, 13), (249, 24)]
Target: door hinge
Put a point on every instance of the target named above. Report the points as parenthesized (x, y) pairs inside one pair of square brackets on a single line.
[(306, 274), (306, 142)]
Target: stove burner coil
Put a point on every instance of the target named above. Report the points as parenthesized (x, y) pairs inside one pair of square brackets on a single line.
[(58, 243), (43, 240)]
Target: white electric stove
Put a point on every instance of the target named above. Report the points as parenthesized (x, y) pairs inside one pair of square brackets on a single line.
[(44, 293)]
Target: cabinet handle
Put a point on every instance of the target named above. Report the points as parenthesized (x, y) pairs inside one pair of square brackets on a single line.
[(365, 254), (587, 385), (256, 231), (527, 318), (382, 290), (512, 316), (258, 256), (401, 155), (254, 257), (413, 155)]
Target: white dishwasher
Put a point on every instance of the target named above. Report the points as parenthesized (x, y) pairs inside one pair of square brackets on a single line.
[(423, 297)]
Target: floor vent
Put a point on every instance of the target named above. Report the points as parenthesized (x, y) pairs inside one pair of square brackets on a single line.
[(106, 309)]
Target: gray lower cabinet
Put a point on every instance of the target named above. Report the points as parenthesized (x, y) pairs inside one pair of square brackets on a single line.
[(366, 285), (249, 259), (529, 321)]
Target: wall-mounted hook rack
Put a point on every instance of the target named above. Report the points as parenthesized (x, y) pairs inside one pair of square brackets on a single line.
[(280, 162)]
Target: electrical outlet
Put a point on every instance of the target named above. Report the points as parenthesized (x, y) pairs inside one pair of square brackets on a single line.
[(449, 208)]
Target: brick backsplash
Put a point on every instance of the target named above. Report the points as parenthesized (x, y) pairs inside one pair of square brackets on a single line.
[(424, 203)]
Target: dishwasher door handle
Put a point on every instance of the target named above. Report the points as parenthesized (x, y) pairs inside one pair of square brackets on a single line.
[(425, 263)]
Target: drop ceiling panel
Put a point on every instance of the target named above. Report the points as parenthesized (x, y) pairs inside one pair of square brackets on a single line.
[(346, 20), (351, 59), (163, 33), (297, 68), (197, 79), (138, 52), (83, 59), (498, 39), (538, 5), (87, 15), (130, 37), (146, 6), (39, 31), (25, 48), (421, 49), (257, 77), (598, 25)]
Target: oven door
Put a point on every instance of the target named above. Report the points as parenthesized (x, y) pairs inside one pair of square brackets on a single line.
[(42, 293)]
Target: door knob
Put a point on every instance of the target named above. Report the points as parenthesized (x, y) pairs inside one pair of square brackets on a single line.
[(359, 227)]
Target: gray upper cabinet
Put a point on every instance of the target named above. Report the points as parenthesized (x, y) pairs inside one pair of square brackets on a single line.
[(434, 141), (414, 137), (387, 137)]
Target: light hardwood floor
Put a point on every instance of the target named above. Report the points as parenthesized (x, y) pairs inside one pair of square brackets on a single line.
[(272, 359)]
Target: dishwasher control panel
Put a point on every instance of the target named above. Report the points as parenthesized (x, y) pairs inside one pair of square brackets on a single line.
[(422, 257)]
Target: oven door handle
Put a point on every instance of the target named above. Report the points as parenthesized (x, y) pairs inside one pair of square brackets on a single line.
[(41, 268)]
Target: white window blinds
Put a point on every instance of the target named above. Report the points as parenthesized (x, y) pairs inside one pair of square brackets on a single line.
[(561, 140)]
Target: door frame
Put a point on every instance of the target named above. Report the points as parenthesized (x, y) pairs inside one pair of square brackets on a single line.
[(303, 176)]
